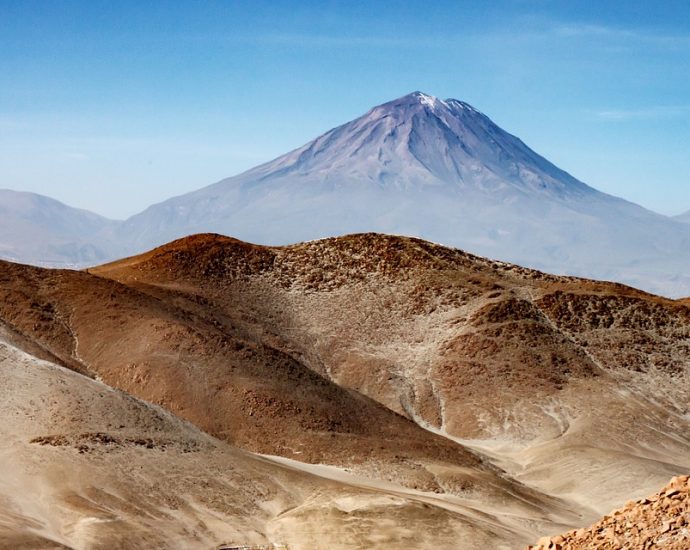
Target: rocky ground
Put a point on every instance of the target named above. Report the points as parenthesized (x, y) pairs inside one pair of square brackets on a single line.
[(659, 521)]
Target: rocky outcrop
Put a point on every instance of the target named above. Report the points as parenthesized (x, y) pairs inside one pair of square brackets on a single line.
[(660, 521)]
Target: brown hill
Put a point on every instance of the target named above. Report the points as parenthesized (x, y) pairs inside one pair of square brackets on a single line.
[(556, 379), (85, 466), (231, 383), (241, 385), (352, 306), (660, 521), (534, 400)]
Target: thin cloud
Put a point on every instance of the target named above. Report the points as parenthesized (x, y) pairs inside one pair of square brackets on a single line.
[(530, 28), (584, 29), (537, 27), (631, 35), (325, 41), (646, 113)]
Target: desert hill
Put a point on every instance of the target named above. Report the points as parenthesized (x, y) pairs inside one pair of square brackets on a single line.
[(243, 388), (524, 403), (86, 466), (551, 377), (227, 381)]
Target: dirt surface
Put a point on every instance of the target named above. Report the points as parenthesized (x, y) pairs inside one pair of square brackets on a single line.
[(88, 467)]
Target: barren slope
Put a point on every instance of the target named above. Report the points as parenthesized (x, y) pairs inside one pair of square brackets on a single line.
[(85, 466), (242, 384), (387, 357), (577, 388), (233, 384)]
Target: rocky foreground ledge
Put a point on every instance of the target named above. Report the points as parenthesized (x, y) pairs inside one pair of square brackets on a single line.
[(660, 521)]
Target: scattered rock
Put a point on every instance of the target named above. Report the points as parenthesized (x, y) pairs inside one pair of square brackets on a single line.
[(656, 522)]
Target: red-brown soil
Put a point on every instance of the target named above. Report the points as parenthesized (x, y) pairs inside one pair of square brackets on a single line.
[(416, 326), (200, 365)]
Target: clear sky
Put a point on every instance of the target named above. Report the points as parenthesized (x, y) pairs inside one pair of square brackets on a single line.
[(112, 106)]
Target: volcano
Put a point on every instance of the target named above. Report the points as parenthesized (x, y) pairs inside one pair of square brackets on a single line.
[(443, 171), (416, 166)]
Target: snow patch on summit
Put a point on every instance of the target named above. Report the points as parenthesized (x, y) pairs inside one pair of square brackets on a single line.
[(430, 100)]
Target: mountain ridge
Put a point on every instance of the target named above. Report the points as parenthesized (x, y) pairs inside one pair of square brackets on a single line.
[(38, 229), (407, 115)]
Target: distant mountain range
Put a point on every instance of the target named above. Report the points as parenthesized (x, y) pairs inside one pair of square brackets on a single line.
[(418, 165), (39, 230)]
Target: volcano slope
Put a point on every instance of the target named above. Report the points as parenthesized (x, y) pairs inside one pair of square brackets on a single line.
[(441, 170), (577, 388)]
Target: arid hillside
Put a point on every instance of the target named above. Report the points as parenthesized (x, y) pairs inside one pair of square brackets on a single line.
[(88, 467), (525, 403), (555, 379), (230, 382)]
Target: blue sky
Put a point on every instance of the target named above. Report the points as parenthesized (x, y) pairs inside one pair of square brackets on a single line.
[(112, 106)]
